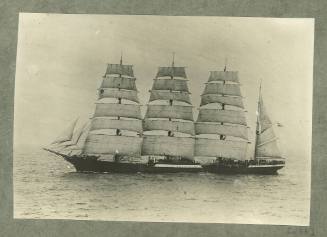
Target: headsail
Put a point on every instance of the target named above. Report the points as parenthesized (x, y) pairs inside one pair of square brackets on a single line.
[(66, 134), (266, 146), (76, 141)]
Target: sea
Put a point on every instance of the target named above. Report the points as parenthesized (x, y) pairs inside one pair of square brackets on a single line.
[(47, 187)]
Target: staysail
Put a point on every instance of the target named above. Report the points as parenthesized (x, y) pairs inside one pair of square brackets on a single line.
[(169, 86), (266, 146), (74, 139), (229, 124), (67, 134)]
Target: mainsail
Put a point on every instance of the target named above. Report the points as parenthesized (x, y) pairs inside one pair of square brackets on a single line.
[(229, 124), (124, 119), (169, 110), (266, 147)]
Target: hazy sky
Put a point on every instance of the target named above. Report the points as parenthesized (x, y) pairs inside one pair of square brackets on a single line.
[(61, 60)]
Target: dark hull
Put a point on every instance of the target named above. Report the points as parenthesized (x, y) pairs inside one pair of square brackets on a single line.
[(259, 169), (92, 164), (89, 165)]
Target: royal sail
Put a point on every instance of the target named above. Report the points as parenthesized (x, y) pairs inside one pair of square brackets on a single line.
[(229, 125), (169, 110)]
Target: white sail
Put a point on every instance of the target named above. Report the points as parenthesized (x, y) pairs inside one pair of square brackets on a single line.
[(118, 93), (221, 148), (266, 140), (170, 84), (67, 134), (119, 83), (164, 145), (227, 100), (79, 129), (223, 116), (126, 70), (106, 144), (114, 110), (75, 144), (264, 119), (81, 140), (166, 125), (110, 123), (168, 111), (170, 95), (171, 72), (267, 148), (228, 130), (222, 89), (231, 76)]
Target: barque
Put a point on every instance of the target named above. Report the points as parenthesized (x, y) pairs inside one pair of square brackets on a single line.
[(118, 139)]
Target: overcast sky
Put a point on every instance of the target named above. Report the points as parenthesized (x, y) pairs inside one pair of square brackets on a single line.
[(61, 60)]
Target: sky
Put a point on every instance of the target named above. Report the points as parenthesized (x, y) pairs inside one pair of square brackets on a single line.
[(61, 59)]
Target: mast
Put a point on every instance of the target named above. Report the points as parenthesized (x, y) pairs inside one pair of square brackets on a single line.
[(169, 110), (227, 121), (257, 130), (266, 147), (116, 125)]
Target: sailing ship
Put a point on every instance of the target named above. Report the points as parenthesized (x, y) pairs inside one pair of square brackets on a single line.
[(118, 139)]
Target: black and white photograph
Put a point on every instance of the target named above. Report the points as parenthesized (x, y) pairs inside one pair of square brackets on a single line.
[(196, 119)]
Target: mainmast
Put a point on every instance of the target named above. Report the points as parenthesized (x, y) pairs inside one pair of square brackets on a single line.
[(116, 124), (169, 110), (227, 121)]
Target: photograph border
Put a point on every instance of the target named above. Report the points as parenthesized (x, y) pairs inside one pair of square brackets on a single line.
[(234, 8)]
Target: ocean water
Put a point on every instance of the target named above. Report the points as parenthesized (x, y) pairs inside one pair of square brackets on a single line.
[(47, 187)]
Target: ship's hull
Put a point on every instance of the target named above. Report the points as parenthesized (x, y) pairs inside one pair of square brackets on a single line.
[(250, 169), (88, 165), (94, 165)]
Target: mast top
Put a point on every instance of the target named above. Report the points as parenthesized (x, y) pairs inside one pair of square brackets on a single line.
[(121, 57), (173, 62), (260, 88), (225, 68)]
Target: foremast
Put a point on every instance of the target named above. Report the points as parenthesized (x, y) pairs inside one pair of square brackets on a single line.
[(168, 123), (116, 125), (266, 147), (221, 128)]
